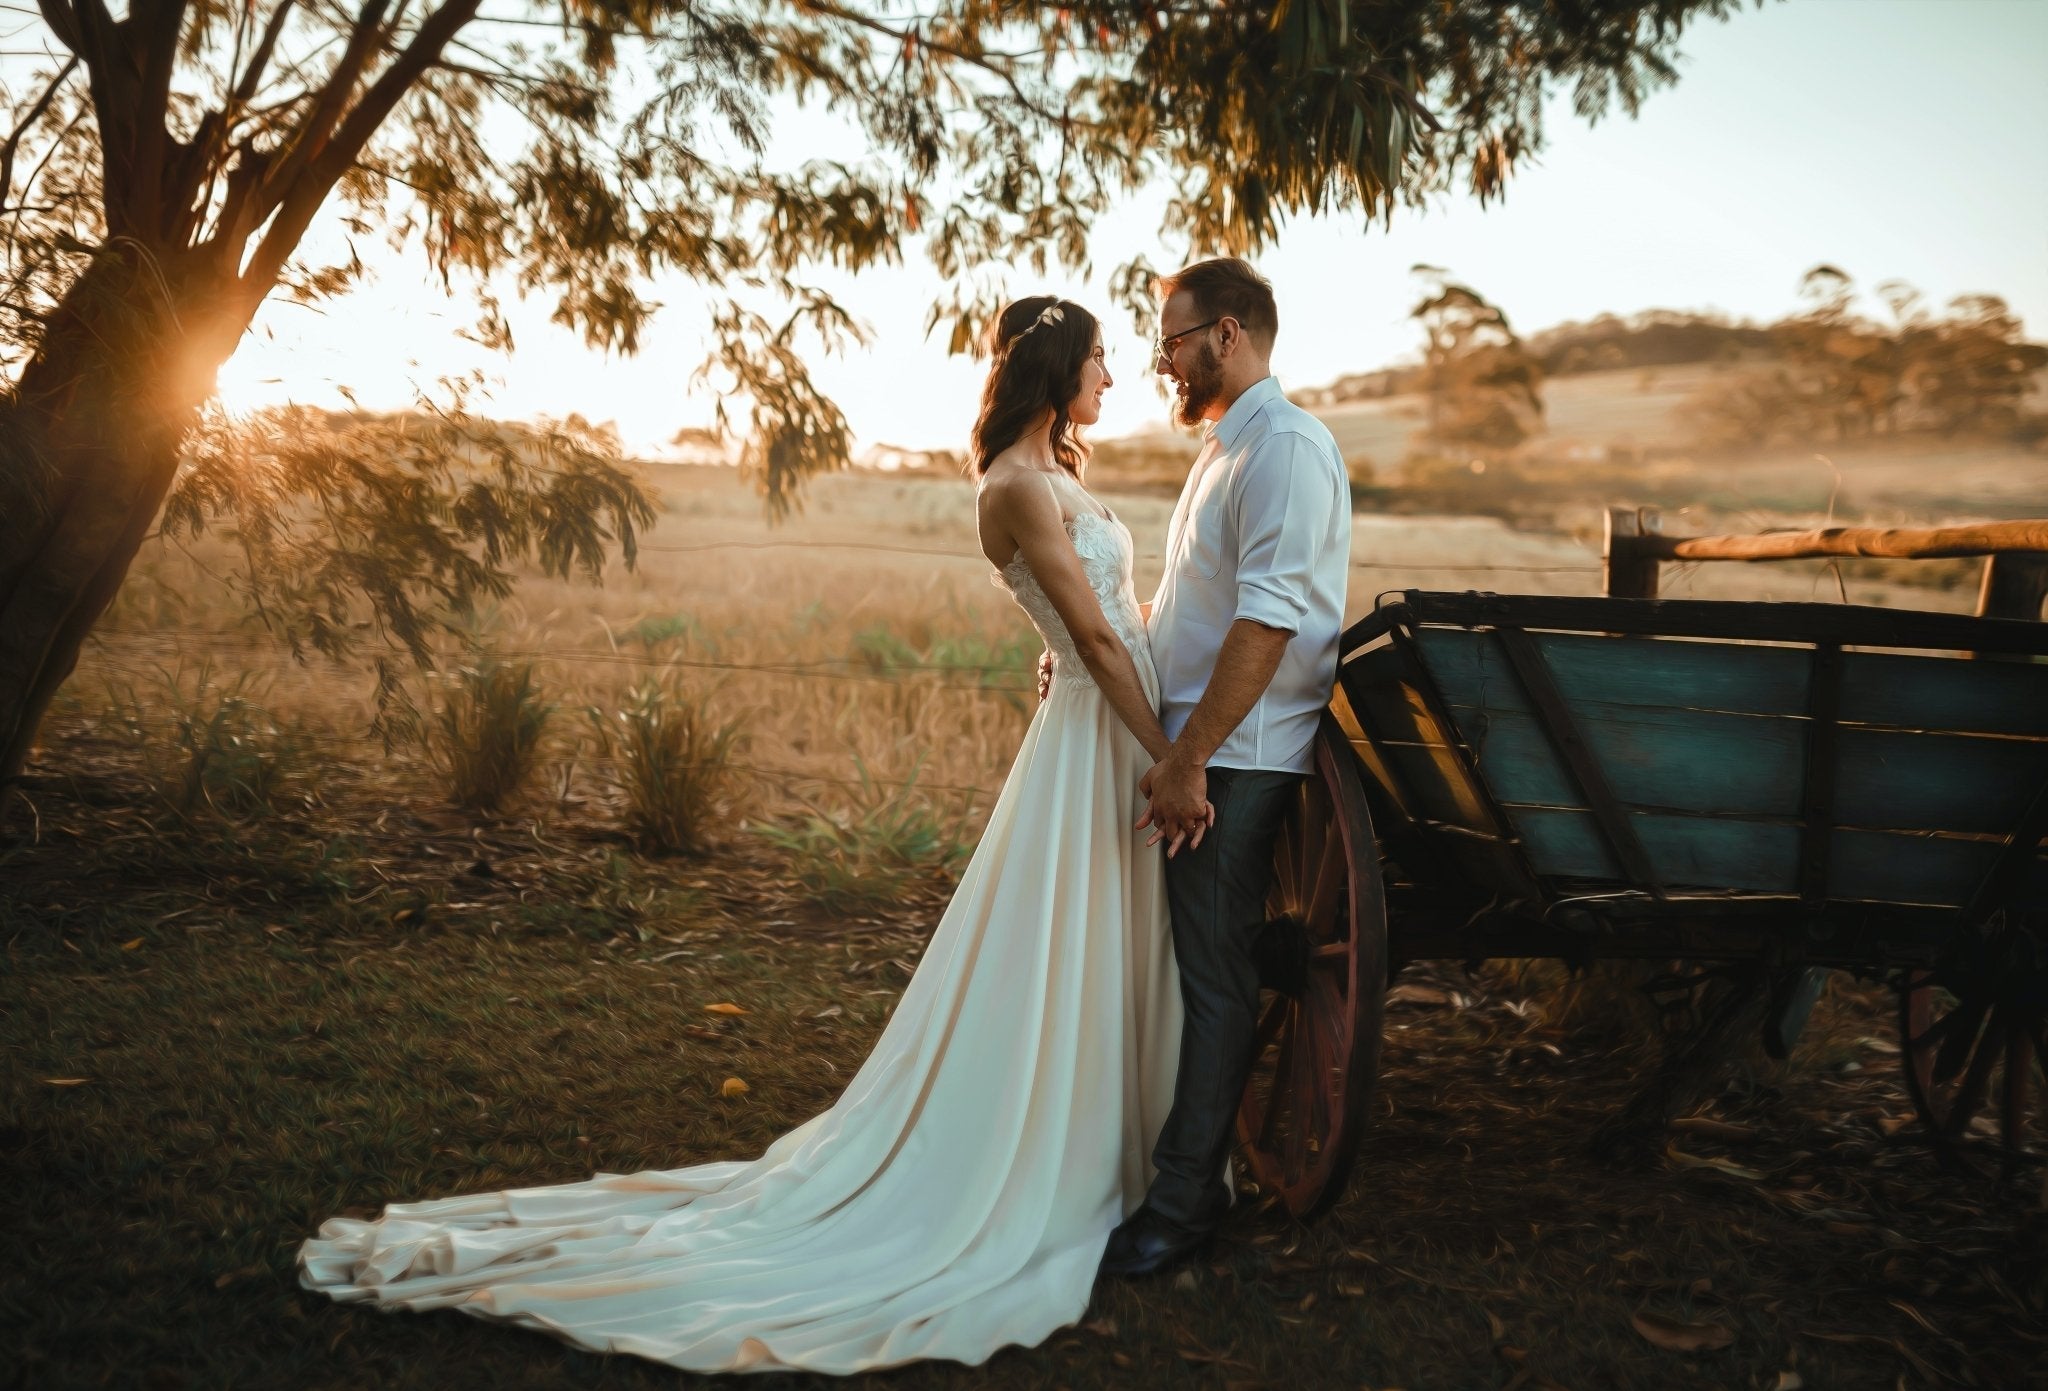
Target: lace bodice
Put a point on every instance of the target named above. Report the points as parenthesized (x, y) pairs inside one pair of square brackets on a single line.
[(1104, 545)]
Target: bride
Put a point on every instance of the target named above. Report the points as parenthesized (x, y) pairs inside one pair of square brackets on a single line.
[(958, 1196)]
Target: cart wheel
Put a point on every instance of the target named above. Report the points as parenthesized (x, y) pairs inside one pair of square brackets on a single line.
[(1316, 1054), (1973, 1037)]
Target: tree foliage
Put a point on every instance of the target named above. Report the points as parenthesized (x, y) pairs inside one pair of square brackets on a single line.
[(1484, 386), (1836, 372), (585, 146), (160, 174)]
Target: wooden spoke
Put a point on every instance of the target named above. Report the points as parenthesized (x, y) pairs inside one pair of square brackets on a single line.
[(1969, 1040), (1969, 1094), (1286, 879), (1320, 914), (1269, 1025), (1283, 1078), (1958, 1044), (2019, 1080), (1317, 1046)]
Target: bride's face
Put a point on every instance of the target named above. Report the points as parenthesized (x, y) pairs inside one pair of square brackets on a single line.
[(1086, 407)]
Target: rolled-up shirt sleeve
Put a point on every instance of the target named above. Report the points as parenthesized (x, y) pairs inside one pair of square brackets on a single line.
[(1284, 496)]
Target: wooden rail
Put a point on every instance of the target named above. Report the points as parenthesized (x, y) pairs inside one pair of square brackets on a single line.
[(2015, 571)]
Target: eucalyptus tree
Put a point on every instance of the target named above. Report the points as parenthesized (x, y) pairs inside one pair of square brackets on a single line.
[(1485, 385), (161, 172)]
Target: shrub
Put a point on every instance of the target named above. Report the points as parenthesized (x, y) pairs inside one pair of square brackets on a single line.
[(880, 650), (228, 754), (672, 762), (870, 853), (489, 734)]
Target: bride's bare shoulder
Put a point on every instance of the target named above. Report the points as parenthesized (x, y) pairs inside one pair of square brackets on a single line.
[(1010, 488)]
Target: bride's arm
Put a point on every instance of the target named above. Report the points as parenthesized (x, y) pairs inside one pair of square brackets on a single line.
[(1025, 508)]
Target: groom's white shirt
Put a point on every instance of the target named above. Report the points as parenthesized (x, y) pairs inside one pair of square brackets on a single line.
[(1262, 531)]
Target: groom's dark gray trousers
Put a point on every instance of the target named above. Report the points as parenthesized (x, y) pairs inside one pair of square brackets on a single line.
[(1216, 896)]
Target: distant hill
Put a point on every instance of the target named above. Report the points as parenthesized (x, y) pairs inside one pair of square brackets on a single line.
[(1653, 338)]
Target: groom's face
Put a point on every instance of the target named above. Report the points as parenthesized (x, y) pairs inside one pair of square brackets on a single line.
[(1192, 367)]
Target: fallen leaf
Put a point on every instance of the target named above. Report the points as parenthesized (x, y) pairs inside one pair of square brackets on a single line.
[(1788, 1381), (131, 945), (732, 1086), (1409, 993), (725, 1007), (1185, 1280), (1914, 1314), (1676, 1335), (66, 1081), (1106, 1327), (1712, 1129), (1707, 1161)]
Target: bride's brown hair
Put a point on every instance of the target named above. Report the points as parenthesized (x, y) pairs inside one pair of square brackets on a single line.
[(1039, 345)]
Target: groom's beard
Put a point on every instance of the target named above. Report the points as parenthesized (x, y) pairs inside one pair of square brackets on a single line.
[(1201, 385)]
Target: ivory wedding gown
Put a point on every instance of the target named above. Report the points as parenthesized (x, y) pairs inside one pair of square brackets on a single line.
[(958, 1196)]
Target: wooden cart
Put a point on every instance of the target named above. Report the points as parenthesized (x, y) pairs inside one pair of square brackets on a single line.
[(1787, 788)]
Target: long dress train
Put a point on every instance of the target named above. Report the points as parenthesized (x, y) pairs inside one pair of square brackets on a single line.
[(958, 1195)]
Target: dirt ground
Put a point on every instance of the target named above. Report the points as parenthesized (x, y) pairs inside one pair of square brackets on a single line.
[(221, 1034)]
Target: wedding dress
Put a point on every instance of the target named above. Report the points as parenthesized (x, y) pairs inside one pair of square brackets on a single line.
[(958, 1196)]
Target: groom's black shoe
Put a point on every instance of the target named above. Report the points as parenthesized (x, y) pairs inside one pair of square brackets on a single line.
[(1147, 1243)]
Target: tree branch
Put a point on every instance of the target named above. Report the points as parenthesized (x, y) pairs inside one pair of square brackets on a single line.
[(13, 145), (245, 85), (158, 24), (306, 193), (313, 132)]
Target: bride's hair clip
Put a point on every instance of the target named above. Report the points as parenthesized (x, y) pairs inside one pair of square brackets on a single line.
[(1051, 314)]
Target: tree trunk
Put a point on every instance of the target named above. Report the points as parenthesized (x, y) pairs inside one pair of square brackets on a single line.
[(89, 446)]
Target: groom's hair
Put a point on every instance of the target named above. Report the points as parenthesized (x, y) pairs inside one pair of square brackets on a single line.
[(1227, 285)]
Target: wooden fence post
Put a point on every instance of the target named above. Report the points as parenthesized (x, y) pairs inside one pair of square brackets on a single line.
[(2015, 583), (1625, 572)]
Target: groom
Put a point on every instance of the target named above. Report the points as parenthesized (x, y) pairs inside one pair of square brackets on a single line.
[(1244, 631)]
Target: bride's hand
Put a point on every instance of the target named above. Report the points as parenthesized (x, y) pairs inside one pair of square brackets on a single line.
[(1045, 673), (1190, 835)]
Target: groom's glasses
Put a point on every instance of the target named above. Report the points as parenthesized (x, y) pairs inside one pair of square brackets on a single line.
[(1166, 345)]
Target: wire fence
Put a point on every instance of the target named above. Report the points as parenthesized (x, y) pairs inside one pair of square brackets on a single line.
[(1429, 568), (787, 778), (971, 677)]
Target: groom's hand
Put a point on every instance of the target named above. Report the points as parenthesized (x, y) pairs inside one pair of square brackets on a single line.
[(1045, 673), (1177, 790)]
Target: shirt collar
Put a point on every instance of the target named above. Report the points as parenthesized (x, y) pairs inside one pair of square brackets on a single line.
[(1242, 411)]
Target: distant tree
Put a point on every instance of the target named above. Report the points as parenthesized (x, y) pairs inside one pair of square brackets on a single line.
[(1838, 374), (1972, 370), (160, 175), (1484, 385)]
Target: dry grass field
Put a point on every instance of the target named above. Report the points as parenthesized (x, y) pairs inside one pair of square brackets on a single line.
[(864, 636)]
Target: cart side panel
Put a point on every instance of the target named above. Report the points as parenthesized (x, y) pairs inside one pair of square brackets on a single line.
[(1407, 753), (1698, 741), (1914, 692), (1695, 852), (1945, 783), (1886, 867), (1656, 673)]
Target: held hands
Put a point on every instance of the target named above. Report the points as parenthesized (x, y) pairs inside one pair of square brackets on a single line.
[(1045, 674), (1179, 812)]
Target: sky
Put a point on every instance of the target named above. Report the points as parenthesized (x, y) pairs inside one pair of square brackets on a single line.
[(1896, 139)]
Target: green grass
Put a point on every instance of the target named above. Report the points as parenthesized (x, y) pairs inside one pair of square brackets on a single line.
[(261, 1053), (488, 733)]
